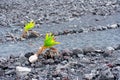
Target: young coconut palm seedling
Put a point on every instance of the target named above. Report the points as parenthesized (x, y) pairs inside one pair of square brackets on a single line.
[(49, 42), (27, 29)]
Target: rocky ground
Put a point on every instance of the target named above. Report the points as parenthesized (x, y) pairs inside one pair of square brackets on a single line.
[(16, 12), (87, 29), (77, 64)]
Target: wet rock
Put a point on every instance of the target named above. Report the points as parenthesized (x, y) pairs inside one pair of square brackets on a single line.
[(22, 70), (113, 26), (117, 47), (77, 51), (104, 27), (80, 30), (108, 51), (88, 50), (99, 51)]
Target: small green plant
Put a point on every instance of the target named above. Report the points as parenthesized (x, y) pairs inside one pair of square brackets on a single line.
[(49, 42), (28, 27)]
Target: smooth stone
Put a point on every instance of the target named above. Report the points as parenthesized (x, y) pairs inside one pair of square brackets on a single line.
[(109, 50), (22, 70), (88, 49)]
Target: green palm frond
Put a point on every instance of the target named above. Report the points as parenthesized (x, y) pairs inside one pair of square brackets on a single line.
[(29, 25), (50, 40)]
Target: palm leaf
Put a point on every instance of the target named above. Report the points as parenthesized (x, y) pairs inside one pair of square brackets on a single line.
[(29, 25), (50, 40)]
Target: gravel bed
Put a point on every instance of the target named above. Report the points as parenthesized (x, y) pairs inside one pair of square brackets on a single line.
[(16, 12), (77, 64)]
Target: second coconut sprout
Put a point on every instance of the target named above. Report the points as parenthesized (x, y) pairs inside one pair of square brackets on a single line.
[(49, 42)]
